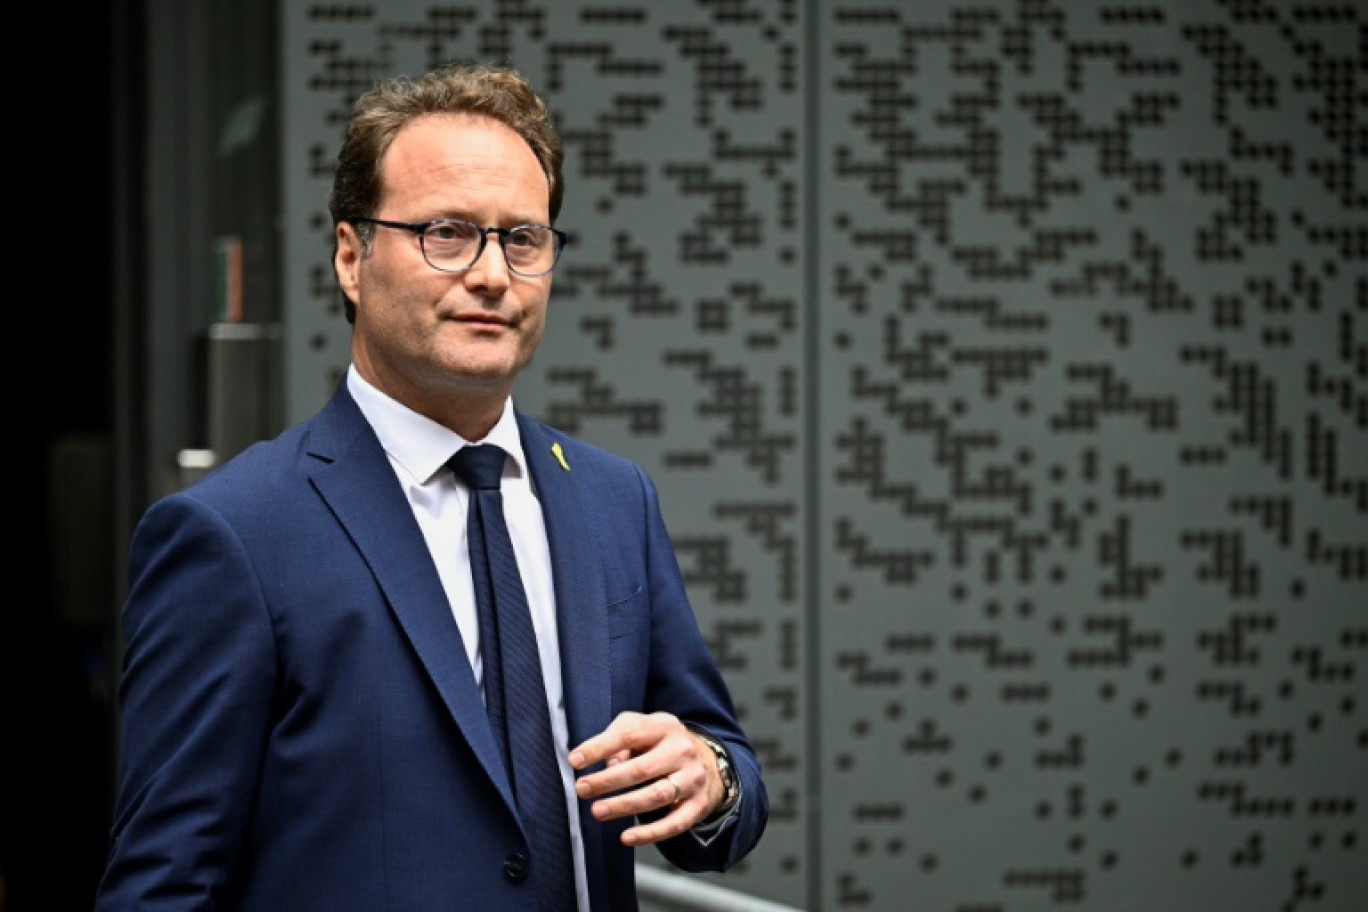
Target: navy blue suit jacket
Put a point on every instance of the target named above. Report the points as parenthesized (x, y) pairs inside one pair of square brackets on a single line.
[(300, 727)]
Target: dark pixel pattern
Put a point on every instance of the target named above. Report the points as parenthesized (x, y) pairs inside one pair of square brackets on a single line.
[(1004, 369), (1107, 257)]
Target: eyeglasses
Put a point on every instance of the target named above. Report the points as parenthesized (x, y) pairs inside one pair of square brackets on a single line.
[(453, 245)]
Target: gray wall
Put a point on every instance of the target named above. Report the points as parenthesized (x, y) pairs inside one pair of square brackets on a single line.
[(1004, 367)]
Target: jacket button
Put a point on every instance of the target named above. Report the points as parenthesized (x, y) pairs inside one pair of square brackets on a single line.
[(515, 867)]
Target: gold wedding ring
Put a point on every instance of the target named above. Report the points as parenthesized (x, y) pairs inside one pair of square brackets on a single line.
[(678, 794)]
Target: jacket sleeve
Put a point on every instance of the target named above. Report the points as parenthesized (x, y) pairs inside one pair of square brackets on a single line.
[(195, 702)]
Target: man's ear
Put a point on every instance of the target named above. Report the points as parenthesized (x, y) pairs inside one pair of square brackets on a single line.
[(347, 259)]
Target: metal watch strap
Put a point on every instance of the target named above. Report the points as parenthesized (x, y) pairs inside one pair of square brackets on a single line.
[(726, 769)]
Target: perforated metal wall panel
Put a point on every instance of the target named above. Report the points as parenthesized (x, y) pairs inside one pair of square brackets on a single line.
[(1004, 369)]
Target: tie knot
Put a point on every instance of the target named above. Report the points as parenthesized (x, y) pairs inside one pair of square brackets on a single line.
[(479, 467)]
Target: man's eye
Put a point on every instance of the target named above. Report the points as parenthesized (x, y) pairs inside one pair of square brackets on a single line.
[(524, 237), (450, 232)]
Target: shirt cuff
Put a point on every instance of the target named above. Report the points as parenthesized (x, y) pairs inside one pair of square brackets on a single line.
[(707, 832)]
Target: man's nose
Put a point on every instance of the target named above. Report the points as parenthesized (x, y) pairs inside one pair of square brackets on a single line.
[(490, 266)]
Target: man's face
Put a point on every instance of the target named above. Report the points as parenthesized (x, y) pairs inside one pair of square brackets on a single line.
[(448, 345)]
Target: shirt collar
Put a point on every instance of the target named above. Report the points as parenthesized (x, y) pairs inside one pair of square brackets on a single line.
[(420, 445)]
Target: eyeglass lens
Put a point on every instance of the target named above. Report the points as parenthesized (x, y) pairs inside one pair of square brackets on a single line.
[(455, 245)]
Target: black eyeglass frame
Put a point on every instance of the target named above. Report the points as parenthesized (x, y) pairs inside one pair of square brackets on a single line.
[(560, 239)]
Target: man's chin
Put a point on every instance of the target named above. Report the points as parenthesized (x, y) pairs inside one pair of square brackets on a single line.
[(493, 374)]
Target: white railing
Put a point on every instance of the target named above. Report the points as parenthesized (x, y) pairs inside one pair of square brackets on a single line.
[(662, 891)]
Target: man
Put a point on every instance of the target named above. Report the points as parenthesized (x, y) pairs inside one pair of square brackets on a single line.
[(304, 719)]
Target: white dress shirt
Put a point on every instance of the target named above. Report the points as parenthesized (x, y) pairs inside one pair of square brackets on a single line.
[(418, 449)]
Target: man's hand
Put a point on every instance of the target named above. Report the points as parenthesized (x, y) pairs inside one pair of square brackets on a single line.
[(651, 762)]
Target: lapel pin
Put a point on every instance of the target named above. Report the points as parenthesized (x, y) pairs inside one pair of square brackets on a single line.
[(560, 456)]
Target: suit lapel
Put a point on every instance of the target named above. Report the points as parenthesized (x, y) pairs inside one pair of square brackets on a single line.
[(572, 524), (353, 475)]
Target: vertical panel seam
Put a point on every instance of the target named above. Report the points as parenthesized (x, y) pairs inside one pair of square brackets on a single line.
[(812, 413)]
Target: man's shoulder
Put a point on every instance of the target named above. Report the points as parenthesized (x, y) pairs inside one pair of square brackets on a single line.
[(332, 433)]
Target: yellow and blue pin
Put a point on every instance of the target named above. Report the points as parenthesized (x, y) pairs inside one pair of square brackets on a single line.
[(560, 455)]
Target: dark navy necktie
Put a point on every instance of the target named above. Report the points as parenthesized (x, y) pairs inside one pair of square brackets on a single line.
[(515, 692)]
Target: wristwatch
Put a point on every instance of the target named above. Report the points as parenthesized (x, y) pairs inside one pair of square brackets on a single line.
[(731, 785)]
